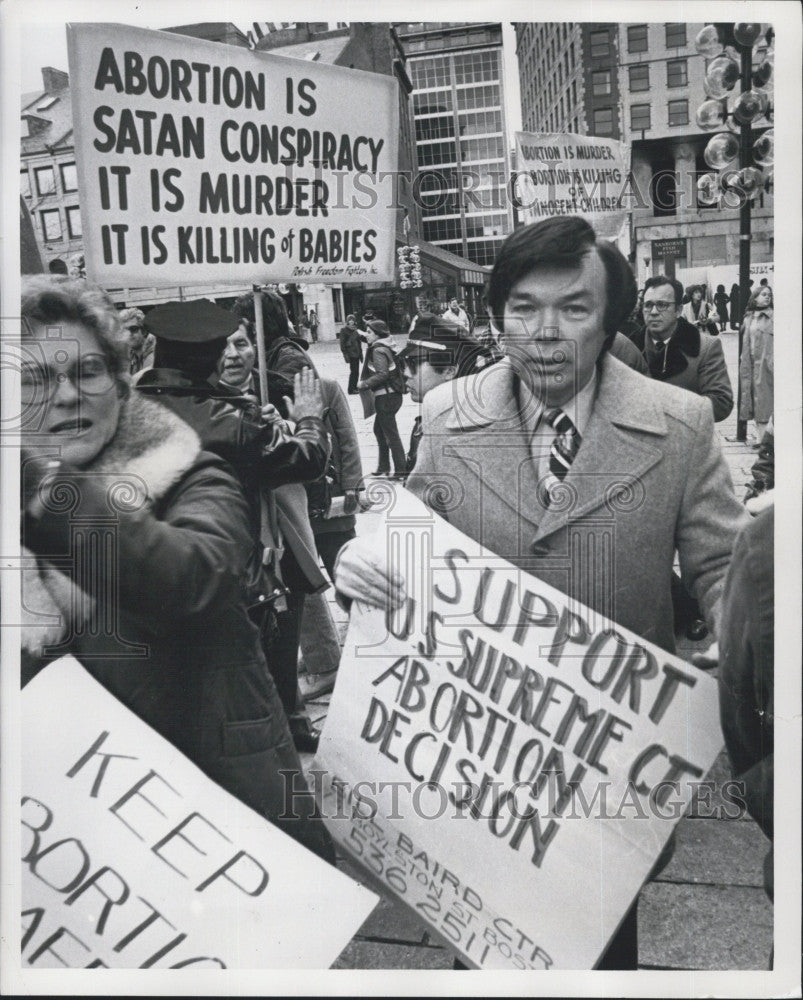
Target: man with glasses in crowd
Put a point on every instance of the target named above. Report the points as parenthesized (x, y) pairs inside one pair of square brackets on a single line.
[(677, 352), (680, 353)]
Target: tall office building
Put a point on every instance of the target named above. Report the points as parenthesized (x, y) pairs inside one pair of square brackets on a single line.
[(568, 77), (661, 78), (642, 84), (461, 134)]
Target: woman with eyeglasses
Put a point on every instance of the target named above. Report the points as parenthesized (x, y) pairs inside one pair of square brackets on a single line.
[(138, 543)]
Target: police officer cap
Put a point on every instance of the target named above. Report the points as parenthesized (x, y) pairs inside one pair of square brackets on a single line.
[(198, 321), (439, 339)]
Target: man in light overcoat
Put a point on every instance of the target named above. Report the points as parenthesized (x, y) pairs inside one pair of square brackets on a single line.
[(570, 465)]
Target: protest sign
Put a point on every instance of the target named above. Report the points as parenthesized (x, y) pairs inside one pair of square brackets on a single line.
[(199, 162), (561, 174), (503, 760), (134, 859)]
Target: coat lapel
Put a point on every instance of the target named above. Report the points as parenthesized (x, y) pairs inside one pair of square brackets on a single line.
[(619, 446), (494, 446)]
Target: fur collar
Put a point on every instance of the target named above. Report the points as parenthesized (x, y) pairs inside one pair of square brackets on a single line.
[(151, 443), (153, 448)]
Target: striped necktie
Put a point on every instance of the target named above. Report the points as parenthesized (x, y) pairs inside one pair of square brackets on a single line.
[(563, 451)]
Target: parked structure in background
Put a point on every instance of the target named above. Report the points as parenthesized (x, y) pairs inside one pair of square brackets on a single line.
[(460, 128), (642, 83)]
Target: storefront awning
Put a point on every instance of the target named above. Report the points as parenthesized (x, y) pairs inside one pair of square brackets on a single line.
[(469, 272)]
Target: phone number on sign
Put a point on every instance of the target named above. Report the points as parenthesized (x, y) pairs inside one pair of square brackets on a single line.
[(460, 916)]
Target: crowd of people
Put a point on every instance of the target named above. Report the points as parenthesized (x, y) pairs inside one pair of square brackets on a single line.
[(249, 482)]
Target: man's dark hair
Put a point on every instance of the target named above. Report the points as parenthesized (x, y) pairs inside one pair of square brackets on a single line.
[(664, 279), (274, 313), (563, 243)]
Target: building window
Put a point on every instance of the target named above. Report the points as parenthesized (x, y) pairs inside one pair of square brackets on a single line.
[(74, 227), (437, 152), (492, 148), (677, 73), (476, 66), (480, 123), (483, 251), (45, 180), (434, 128), (25, 183), (679, 112), (479, 97), (51, 224), (443, 229), (432, 103), (601, 83), (69, 178), (600, 44), (640, 117), (603, 121), (639, 77), (675, 36), (429, 73), (637, 38)]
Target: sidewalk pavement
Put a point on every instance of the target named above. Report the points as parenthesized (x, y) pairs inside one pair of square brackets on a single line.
[(707, 909)]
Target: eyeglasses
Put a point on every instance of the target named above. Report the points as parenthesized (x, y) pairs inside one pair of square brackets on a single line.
[(91, 377), (660, 307)]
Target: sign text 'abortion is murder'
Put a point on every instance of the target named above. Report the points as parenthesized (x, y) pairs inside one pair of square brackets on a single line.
[(201, 163)]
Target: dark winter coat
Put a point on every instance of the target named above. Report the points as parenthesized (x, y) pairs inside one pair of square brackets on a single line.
[(345, 465), (182, 653), (693, 361), (287, 357), (350, 343), (381, 370), (746, 669), (261, 457)]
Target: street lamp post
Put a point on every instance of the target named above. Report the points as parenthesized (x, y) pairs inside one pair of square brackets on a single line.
[(745, 230), (724, 42)]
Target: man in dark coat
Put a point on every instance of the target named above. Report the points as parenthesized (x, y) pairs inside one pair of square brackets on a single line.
[(677, 352), (190, 338), (351, 348), (382, 375), (746, 670), (680, 353)]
